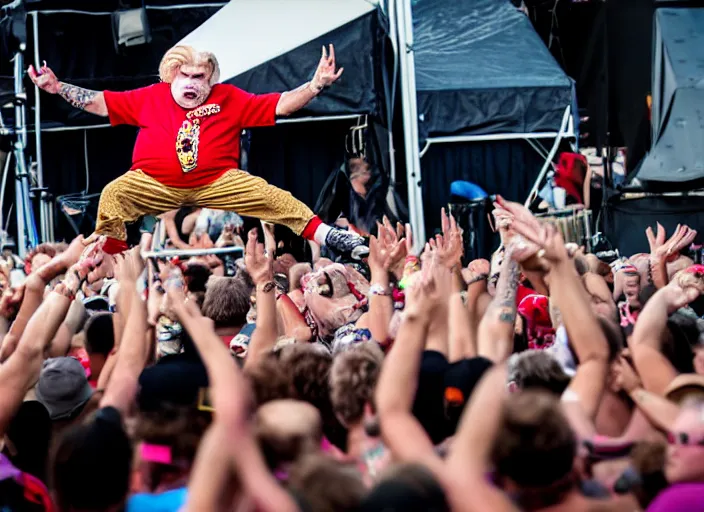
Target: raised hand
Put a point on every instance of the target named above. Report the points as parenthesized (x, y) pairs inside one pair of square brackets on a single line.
[(11, 301), (74, 251), (430, 289), (409, 240), (669, 250), (326, 75), (259, 267), (227, 237), (476, 268), (45, 79), (130, 266), (548, 238), (684, 289), (626, 377), (454, 249), (389, 247), (93, 247)]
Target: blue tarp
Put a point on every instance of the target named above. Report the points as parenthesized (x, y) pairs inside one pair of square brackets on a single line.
[(482, 69)]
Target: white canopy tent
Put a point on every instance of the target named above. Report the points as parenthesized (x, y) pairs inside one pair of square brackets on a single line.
[(245, 34)]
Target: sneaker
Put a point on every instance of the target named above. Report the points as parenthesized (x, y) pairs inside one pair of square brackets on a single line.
[(347, 243)]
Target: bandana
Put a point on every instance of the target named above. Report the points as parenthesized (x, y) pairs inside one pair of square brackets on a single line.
[(536, 310)]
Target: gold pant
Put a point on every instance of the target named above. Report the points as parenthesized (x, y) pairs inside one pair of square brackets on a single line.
[(135, 194)]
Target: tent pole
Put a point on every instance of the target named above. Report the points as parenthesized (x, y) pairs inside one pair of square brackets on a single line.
[(410, 120), (46, 230), (551, 155), (391, 15)]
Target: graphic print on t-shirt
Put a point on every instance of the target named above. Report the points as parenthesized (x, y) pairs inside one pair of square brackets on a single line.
[(188, 137)]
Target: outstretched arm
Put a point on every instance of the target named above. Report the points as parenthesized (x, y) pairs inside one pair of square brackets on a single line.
[(85, 99), (325, 75)]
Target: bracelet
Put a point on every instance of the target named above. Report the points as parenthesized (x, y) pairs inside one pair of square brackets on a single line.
[(64, 291), (650, 271), (476, 279), (267, 287), (315, 88), (379, 290)]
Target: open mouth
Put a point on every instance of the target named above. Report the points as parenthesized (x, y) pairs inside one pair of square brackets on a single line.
[(190, 95)]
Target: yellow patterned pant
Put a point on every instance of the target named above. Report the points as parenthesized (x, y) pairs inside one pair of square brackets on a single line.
[(135, 194)]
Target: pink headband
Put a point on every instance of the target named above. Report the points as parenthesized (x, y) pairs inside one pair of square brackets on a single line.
[(157, 453), (695, 269)]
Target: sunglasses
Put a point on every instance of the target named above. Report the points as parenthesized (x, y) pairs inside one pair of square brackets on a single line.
[(682, 438)]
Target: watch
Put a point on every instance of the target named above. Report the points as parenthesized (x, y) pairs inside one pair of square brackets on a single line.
[(267, 287)]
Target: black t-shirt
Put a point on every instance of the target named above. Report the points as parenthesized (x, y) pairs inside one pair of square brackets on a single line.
[(94, 468)]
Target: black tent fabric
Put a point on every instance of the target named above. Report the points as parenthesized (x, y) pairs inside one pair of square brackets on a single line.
[(507, 167), (482, 69), (359, 48), (79, 47), (678, 98), (625, 220)]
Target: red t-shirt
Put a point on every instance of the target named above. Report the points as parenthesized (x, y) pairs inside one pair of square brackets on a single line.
[(189, 148)]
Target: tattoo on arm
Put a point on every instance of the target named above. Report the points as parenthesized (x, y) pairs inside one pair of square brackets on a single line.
[(506, 290), (77, 96)]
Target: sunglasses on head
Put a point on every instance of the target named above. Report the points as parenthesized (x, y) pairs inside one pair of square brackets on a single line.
[(682, 438)]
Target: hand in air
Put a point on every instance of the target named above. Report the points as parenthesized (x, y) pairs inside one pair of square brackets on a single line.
[(388, 249), (45, 79), (684, 288), (669, 250), (259, 266), (326, 75)]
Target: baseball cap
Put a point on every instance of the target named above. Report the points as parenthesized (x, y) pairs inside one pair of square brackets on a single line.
[(63, 387), (683, 386), (176, 379)]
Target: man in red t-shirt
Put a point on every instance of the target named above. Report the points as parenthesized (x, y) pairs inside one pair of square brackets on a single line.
[(187, 150)]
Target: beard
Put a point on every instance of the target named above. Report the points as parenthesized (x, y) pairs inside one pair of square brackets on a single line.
[(188, 94)]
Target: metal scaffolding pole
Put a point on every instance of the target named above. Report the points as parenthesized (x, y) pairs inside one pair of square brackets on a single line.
[(26, 228), (410, 119), (46, 226)]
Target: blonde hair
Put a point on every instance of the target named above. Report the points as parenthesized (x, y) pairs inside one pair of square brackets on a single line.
[(183, 55)]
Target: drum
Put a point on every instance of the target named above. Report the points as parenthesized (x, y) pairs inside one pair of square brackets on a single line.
[(575, 225)]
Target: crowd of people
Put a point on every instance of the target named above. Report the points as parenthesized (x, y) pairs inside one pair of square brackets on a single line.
[(542, 380)]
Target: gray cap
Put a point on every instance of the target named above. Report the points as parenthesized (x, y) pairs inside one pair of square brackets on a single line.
[(63, 387)]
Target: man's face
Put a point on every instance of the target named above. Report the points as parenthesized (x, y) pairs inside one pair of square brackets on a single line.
[(191, 86), (685, 462)]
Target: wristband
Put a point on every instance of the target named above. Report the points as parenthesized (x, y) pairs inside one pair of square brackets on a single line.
[(379, 290)]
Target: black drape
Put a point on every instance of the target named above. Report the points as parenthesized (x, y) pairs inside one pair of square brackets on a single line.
[(508, 168), (626, 220)]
